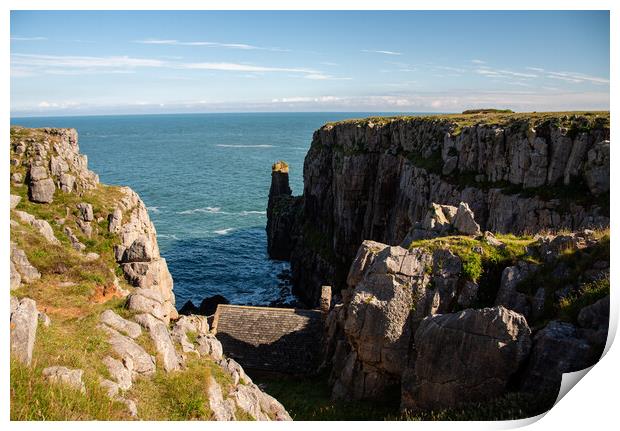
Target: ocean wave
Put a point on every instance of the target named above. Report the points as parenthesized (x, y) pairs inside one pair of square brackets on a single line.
[(218, 210), (207, 210), (245, 146), (163, 235), (244, 213), (154, 210), (224, 231)]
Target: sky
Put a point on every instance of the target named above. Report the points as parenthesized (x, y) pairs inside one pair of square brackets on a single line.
[(133, 62)]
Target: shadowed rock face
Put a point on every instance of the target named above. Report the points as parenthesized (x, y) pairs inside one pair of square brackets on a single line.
[(281, 214), (466, 356), (375, 180)]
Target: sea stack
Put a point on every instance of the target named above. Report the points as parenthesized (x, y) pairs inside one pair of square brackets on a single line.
[(280, 213)]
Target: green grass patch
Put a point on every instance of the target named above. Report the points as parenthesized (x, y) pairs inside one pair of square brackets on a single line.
[(180, 395)]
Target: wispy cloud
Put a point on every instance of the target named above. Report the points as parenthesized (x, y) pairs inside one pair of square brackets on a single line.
[(574, 77), (378, 51), (503, 73), (30, 64), (244, 46), (324, 77), (28, 39), (478, 61)]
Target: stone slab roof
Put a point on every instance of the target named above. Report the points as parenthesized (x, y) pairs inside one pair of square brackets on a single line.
[(285, 340)]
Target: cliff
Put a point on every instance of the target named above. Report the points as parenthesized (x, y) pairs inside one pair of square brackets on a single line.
[(94, 330), (374, 179)]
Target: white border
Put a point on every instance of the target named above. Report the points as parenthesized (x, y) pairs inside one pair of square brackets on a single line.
[(591, 404)]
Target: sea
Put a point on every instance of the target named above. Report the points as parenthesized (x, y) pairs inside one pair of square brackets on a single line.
[(205, 180)]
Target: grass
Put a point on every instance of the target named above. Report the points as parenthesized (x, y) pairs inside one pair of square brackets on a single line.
[(181, 395), (309, 399), (481, 262), (32, 398)]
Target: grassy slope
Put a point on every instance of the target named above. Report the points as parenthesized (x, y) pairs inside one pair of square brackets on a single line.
[(72, 339)]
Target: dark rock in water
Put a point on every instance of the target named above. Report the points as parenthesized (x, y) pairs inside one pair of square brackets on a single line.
[(207, 306), (282, 209), (188, 308)]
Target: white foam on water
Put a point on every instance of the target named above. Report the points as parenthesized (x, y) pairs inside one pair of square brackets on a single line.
[(244, 146), (207, 210), (224, 231)]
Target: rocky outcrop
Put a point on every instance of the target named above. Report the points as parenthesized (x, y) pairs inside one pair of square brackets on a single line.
[(282, 210), (21, 268), (42, 226), (51, 160), (375, 179), (138, 255), (467, 356)]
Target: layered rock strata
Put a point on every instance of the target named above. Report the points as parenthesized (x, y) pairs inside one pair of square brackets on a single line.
[(375, 179)]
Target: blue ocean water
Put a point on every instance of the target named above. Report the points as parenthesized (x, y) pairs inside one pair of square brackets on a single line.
[(205, 180)]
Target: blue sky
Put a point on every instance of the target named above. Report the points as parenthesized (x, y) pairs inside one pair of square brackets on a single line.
[(93, 62)]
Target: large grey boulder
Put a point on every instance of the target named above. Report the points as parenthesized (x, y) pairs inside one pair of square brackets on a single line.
[(66, 376), (208, 345), (162, 341), (74, 240), (86, 211), (379, 315), (148, 301), (26, 271), (557, 349), (464, 220), (42, 191), (46, 231), (364, 258), (24, 320), (124, 326), (129, 350), (67, 183), (466, 356), (120, 371), (223, 410)]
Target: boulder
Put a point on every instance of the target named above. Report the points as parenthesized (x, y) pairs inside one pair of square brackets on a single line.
[(362, 261), (17, 179), (111, 388), (15, 200), (162, 341), (115, 219), (67, 183), (25, 270), (148, 301), (223, 410), (66, 376), (37, 173), (235, 370), (85, 227), (465, 357), (595, 321), (74, 240), (16, 279), (557, 349), (24, 320), (119, 371), (42, 191), (210, 346), (86, 211), (129, 350), (46, 230), (124, 326), (464, 221)]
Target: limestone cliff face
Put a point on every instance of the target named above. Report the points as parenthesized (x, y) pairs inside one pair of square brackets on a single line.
[(375, 178)]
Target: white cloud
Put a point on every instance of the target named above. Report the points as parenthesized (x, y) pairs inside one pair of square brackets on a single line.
[(574, 77), (28, 39), (323, 77), (502, 73), (477, 61), (382, 52), (31, 64), (207, 44)]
